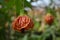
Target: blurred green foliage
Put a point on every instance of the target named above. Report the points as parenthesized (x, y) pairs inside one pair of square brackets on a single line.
[(7, 12)]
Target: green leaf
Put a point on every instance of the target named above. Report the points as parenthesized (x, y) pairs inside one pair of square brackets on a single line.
[(10, 4), (25, 37), (37, 25), (19, 6)]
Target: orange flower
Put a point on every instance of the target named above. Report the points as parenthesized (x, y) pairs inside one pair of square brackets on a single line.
[(22, 22), (49, 19)]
